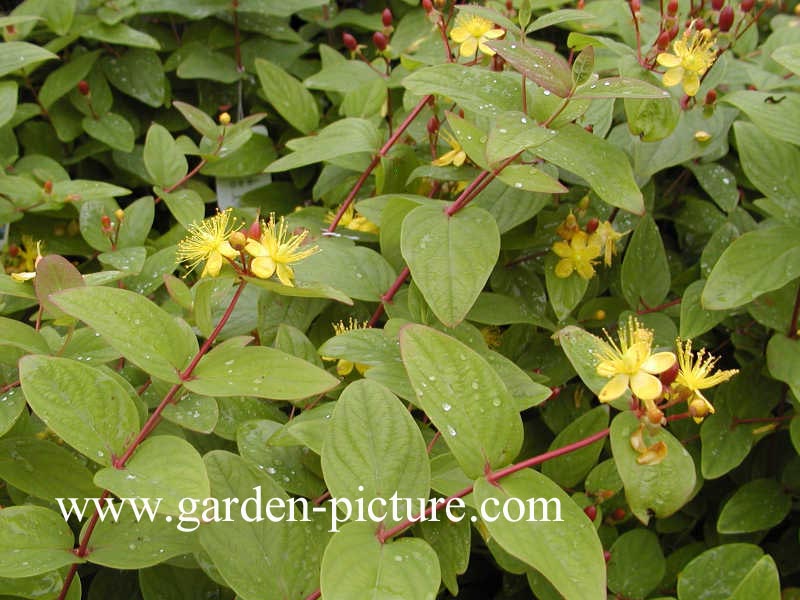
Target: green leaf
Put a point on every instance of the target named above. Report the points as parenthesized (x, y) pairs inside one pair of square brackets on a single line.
[(111, 129), (718, 182), (185, 205), (583, 67), (12, 403), (555, 17), (374, 449), (205, 63), (629, 552), (783, 360), (8, 101), (450, 258), (136, 223), (514, 132), (620, 87), (759, 261), (584, 351), (695, 320), (560, 543), (198, 119), (44, 469), (64, 79), (774, 118), (451, 541), (479, 90), (198, 413), (789, 57), (645, 276), (127, 260), (33, 540), (86, 407), (258, 559), (301, 289), (165, 582), (357, 565), (659, 489), (22, 336), (343, 137), (547, 69), (163, 466), (565, 293), (570, 469), (605, 167), (136, 541), (18, 55), (120, 34), (758, 505), (289, 97), (139, 74), (165, 163), (368, 346), (475, 413), (719, 573), (258, 371), (134, 326), (531, 179), (53, 274)]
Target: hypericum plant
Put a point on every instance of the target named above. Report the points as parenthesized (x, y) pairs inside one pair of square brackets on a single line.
[(258, 252)]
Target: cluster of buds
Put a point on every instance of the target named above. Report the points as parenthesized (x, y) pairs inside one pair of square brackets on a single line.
[(380, 39)]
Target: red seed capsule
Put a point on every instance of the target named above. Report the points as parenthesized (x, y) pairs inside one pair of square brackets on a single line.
[(726, 19), (427, 5), (48, 187), (711, 97), (83, 87), (380, 41), (592, 225), (636, 6), (747, 5), (591, 512), (672, 8), (717, 4), (10, 29), (699, 24), (386, 17), (105, 221), (606, 555), (673, 33), (254, 231), (433, 125), (618, 514), (509, 5), (670, 374), (349, 41), (663, 40)]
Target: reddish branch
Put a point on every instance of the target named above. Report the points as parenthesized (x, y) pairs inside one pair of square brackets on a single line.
[(155, 418)]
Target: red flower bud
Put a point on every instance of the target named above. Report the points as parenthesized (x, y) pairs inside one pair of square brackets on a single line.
[(83, 87), (726, 19), (433, 125), (349, 41), (663, 40), (636, 6), (711, 97), (254, 231), (581, 4), (717, 4), (747, 5), (592, 225), (606, 555), (670, 374), (380, 41), (589, 128), (386, 17), (48, 187), (672, 8), (427, 5), (509, 5), (618, 514), (699, 24), (105, 221), (591, 512), (673, 33)]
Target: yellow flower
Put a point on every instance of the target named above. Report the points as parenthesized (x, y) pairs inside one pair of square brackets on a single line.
[(276, 250), (568, 227), (344, 367), (208, 241), (353, 221), (648, 455), (694, 374), (472, 32), (606, 237), (693, 56), (577, 255), (29, 256), (455, 156), (631, 364)]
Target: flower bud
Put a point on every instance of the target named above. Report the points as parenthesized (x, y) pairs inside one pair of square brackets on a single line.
[(380, 41), (673, 33), (599, 315), (747, 5), (711, 97), (427, 5), (717, 4), (698, 408), (606, 555), (238, 240), (48, 187), (726, 18), (10, 29), (668, 376), (636, 6), (349, 41), (672, 8), (699, 24), (618, 514), (509, 5), (592, 225), (224, 119), (254, 231), (119, 214), (105, 221), (702, 136), (83, 87), (591, 512), (663, 40), (655, 415), (386, 17), (433, 125)]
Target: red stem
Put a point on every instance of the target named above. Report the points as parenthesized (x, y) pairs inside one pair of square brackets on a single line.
[(377, 159), (387, 297), (737, 421), (147, 428), (9, 386), (658, 308)]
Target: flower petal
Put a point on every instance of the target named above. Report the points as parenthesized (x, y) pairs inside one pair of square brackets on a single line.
[(585, 269), (485, 49), (344, 367), (614, 388), (26, 276), (562, 249), (645, 386), (254, 248), (691, 83), (262, 267), (668, 60), (286, 275), (564, 268), (469, 47), (459, 34), (673, 76), (227, 250), (659, 362), (493, 34)]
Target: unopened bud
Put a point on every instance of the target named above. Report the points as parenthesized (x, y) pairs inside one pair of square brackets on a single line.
[(584, 202), (747, 5), (105, 221), (663, 40), (581, 4), (599, 315), (618, 514), (386, 17), (48, 187), (349, 41), (672, 8), (119, 214), (726, 16), (673, 33), (224, 119), (655, 415), (668, 376), (238, 240), (591, 512), (702, 136), (592, 225), (83, 87), (427, 5), (717, 4), (254, 231), (699, 24), (636, 6), (380, 41), (698, 408), (589, 128), (10, 29), (606, 555), (433, 125), (711, 97), (509, 5)]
